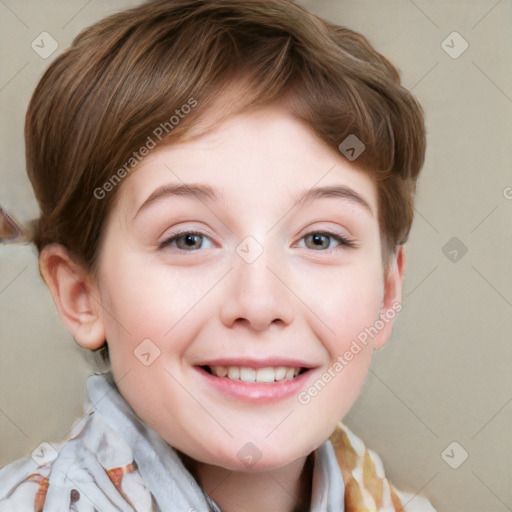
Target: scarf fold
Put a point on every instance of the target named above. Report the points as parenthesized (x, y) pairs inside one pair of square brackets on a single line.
[(113, 462)]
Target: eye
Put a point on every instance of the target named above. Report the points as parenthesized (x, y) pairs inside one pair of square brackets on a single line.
[(187, 241), (324, 240)]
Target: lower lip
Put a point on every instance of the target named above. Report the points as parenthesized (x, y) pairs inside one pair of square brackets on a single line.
[(256, 392)]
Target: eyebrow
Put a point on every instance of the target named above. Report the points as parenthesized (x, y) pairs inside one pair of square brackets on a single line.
[(200, 192), (340, 191), (207, 193)]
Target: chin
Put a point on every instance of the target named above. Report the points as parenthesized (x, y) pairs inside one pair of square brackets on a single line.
[(251, 459)]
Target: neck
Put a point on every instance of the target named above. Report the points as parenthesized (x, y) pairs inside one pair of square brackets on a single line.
[(286, 489)]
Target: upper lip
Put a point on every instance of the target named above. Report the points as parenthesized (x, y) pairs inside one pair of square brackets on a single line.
[(257, 363)]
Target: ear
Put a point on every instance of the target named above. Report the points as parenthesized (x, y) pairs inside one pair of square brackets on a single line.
[(392, 298), (75, 293)]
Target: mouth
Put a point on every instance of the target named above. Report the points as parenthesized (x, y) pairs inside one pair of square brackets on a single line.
[(269, 374), (256, 380)]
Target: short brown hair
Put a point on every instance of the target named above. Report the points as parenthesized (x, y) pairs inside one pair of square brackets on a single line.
[(129, 73)]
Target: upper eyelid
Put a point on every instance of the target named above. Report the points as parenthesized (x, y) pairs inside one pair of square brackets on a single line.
[(199, 232)]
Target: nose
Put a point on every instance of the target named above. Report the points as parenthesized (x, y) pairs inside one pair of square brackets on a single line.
[(257, 294)]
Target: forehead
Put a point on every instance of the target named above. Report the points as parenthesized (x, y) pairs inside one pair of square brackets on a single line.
[(251, 154)]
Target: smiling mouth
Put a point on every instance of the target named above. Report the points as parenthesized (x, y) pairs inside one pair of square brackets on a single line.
[(247, 374)]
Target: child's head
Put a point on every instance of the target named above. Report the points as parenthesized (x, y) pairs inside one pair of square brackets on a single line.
[(224, 118)]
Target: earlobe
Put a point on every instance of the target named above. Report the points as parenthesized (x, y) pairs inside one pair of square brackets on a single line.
[(392, 297), (75, 294)]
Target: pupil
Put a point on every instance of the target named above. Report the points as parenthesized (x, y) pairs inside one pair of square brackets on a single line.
[(318, 239), (190, 239)]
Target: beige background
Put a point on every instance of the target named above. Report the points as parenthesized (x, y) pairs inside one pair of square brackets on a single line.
[(446, 374)]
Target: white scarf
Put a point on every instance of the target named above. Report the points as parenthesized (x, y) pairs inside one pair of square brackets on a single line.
[(113, 462)]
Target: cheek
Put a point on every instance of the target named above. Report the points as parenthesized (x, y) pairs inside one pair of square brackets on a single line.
[(135, 315), (137, 299), (142, 302), (345, 304)]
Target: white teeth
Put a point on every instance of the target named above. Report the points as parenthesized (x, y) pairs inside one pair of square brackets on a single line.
[(280, 373), (233, 372), (290, 372), (265, 375), (247, 374), (222, 371)]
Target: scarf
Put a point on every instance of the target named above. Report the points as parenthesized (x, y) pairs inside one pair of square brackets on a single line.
[(113, 462)]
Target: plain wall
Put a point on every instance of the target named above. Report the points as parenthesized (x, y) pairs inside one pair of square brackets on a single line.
[(445, 375)]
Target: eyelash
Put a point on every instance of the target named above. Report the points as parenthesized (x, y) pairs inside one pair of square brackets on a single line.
[(341, 239)]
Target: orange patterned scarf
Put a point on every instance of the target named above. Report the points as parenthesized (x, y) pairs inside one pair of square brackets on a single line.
[(366, 487)]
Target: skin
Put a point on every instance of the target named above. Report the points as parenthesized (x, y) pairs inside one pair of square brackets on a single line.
[(303, 297)]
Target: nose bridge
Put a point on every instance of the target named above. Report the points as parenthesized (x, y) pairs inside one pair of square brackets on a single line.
[(252, 268), (256, 295)]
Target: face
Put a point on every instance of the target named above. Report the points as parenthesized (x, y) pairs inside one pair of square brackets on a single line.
[(252, 251)]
